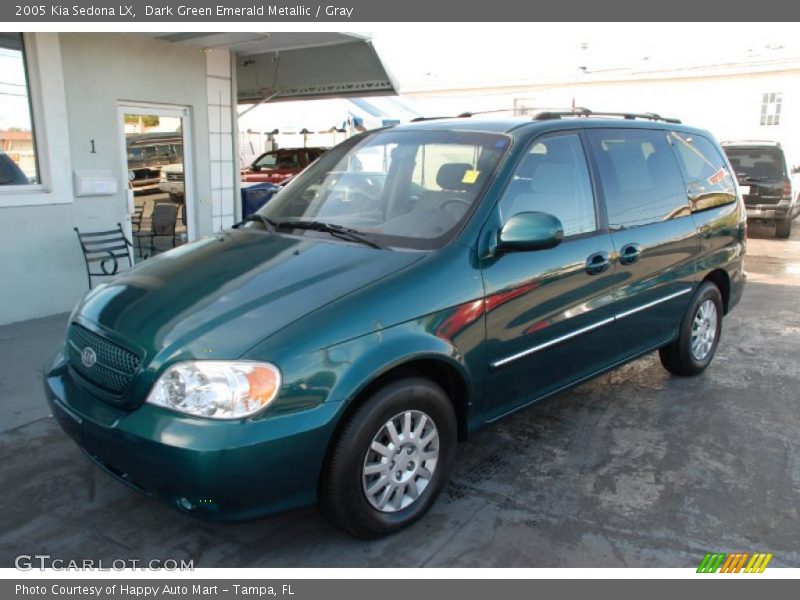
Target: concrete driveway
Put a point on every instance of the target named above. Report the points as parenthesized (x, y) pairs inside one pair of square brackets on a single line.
[(637, 468)]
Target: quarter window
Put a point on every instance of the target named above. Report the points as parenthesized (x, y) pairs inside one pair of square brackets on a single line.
[(553, 178), (709, 182), (641, 180), (18, 162)]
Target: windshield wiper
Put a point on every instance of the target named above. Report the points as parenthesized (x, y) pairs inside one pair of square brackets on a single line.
[(268, 223), (339, 231)]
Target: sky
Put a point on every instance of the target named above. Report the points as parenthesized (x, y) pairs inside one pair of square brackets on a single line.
[(432, 56), (436, 56), (13, 94)]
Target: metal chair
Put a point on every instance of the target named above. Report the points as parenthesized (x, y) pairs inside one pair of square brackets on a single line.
[(105, 248), (182, 231), (163, 223), (136, 218)]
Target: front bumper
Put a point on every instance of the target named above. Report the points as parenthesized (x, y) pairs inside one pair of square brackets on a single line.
[(219, 470)]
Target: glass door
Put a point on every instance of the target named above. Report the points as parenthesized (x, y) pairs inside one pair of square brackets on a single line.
[(159, 214)]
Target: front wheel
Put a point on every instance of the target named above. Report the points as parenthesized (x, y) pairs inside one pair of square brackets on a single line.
[(698, 336), (391, 459)]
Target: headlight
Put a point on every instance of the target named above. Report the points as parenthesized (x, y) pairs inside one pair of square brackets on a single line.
[(217, 389)]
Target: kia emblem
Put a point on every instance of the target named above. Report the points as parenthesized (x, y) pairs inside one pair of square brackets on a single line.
[(88, 357)]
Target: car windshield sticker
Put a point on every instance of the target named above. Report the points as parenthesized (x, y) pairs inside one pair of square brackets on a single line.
[(717, 177), (470, 176)]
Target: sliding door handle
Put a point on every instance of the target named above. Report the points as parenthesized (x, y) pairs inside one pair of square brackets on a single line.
[(630, 253), (597, 263)]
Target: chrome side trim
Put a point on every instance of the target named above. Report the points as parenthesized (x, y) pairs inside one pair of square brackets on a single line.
[(633, 311), (553, 342), (508, 359)]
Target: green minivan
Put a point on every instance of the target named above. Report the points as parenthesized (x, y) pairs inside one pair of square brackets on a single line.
[(411, 286)]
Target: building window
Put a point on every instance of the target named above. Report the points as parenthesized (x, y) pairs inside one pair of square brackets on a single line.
[(771, 108), (18, 162)]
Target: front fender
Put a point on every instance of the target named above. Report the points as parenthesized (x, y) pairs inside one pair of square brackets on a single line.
[(368, 358), (340, 372)]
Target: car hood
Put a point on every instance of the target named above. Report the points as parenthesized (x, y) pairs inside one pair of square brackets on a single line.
[(218, 297)]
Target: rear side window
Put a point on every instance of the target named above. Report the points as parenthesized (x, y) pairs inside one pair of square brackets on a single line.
[(553, 177), (709, 182), (641, 180), (757, 164)]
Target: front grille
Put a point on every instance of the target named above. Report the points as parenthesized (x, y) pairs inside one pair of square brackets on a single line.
[(174, 176), (114, 367)]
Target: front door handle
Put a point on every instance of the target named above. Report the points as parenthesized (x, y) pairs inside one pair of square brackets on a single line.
[(630, 253), (598, 262)]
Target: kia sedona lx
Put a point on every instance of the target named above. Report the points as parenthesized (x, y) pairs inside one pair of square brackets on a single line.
[(411, 286)]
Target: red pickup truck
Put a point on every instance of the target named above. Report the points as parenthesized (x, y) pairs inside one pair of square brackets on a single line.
[(278, 165)]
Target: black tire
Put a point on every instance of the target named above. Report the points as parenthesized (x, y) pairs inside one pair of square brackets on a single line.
[(343, 497), (677, 357), (783, 228)]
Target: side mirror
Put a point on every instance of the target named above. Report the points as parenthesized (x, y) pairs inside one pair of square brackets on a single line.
[(795, 169), (255, 167), (530, 231)]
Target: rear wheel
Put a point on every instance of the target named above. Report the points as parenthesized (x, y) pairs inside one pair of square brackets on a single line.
[(699, 334), (783, 228), (391, 460)]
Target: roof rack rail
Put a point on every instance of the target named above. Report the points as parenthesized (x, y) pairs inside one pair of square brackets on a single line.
[(767, 142), (580, 111), (463, 115), (420, 119)]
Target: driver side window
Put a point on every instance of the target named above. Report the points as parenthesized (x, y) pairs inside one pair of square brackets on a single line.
[(553, 178)]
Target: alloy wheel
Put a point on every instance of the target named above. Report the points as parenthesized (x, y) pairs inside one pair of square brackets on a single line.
[(704, 330), (400, 461)]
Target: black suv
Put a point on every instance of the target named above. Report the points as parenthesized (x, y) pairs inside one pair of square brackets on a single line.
[(765, 179)]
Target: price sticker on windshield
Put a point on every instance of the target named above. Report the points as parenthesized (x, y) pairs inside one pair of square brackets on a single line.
[(717, 177), (470, 176)]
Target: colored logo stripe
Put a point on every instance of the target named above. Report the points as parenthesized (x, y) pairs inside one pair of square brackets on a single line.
[(711, 562), (758, 563), (734, 563)]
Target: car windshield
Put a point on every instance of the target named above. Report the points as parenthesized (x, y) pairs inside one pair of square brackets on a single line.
[(759, 164), (401, 188)]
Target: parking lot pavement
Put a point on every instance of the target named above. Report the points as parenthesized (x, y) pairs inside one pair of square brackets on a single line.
[(637, 468)]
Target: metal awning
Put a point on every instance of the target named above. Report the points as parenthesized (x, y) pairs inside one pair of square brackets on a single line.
[(295, 66)]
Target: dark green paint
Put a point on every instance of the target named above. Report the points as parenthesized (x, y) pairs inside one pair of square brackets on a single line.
[(335, 316), (530, 231)]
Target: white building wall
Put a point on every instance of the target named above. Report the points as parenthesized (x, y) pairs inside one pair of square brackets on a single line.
[(77, 82)]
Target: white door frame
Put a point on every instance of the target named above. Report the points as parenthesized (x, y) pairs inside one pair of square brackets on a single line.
[(184, 113)]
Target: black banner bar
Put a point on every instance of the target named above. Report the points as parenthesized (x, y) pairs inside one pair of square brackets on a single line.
[(732, 587), (343, 11)]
